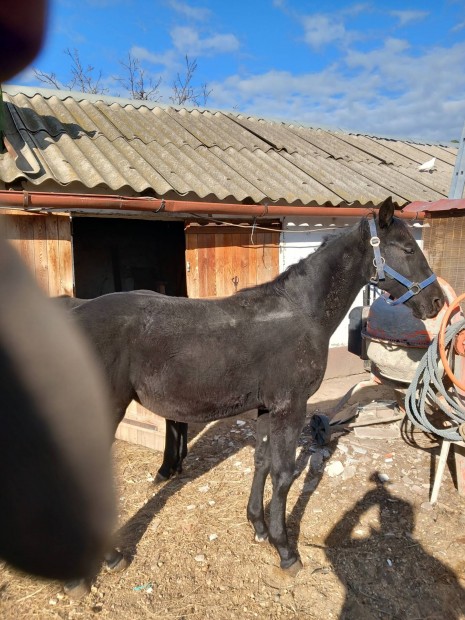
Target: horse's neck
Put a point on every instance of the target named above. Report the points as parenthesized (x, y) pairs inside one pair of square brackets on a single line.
[(331, 279)]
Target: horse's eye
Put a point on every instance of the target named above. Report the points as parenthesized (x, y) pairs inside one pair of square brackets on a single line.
[(409, 250)]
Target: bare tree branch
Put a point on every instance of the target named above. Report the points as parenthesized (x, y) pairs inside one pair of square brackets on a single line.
[(84, 78), (81, 78), (48, 78), (135, 81), (183, 90)]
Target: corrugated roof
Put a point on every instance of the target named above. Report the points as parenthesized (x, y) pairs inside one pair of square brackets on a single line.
[(141, 147)]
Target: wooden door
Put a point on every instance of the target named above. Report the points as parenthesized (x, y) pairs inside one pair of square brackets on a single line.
[(221, 260)]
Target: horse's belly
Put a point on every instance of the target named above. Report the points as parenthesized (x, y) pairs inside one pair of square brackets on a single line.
[(186, 406)]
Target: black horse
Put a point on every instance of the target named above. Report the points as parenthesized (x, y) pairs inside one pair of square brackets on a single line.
[(265, 347)]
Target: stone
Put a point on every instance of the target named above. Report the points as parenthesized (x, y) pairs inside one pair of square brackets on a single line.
[(334, 469)]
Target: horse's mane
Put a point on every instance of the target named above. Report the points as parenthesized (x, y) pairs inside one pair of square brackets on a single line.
[(300, 268)]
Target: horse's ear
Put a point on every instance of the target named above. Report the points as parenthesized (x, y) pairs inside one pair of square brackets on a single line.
[(386, 213)]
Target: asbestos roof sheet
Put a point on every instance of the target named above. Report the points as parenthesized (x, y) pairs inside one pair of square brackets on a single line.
[(134, 147)]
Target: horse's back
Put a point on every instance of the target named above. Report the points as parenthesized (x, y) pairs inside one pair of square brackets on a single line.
[(199, 359)]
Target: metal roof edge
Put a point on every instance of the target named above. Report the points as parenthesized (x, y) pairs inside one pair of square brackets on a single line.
[(47, 93)]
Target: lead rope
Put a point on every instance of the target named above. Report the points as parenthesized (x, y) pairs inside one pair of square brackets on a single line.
[(427, 387)]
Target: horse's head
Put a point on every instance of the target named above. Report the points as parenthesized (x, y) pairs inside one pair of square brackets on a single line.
[(400, 267)]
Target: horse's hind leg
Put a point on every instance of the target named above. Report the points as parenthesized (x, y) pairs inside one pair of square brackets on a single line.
[(175, 450), (182, 444), (255, 510), (114, 562), (285, 424)]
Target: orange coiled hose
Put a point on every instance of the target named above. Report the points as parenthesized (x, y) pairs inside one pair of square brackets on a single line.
[(441, 340)]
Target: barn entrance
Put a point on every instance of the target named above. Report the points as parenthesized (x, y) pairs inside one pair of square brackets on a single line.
[(112, 255)]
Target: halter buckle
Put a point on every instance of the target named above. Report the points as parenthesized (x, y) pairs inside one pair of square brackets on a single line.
[(415, 288), (375, 242)]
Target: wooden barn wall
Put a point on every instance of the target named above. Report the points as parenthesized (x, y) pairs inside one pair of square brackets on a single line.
[(444, 247), (44, 243), (221, 260)]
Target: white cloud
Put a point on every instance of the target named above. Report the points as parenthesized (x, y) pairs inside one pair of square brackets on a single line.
[(189, 11), (320, 30), (391, 52), (407, 17), (27, 76), (187, 41), (166, 59), (458, 27), (388, 91)]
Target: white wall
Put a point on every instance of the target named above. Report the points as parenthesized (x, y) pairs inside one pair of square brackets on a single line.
[(302, 236)]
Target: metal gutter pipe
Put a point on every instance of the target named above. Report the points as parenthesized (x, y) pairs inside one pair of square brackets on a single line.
[(32, 201)]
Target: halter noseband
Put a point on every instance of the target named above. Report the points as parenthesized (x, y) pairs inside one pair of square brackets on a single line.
[(381, 268)]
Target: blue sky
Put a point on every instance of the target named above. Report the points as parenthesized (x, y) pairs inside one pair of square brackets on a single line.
[(393, 68)]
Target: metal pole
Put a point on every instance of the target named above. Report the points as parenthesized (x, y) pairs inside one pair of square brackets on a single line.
[(458, 178)]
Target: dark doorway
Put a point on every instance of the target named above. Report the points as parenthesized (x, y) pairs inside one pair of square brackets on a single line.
[(124, 255)]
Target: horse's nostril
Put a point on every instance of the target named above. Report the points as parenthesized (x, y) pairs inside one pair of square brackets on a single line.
[(438, 303)]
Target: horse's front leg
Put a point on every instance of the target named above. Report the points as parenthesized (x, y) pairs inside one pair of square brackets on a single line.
[(255, 511), (286, 424)]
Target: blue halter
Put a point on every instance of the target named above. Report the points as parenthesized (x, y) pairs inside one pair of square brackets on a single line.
[(381, 268)]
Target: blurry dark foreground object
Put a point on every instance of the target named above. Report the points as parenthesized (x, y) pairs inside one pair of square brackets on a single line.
[(22, 26), (56, 496), (56, 492)]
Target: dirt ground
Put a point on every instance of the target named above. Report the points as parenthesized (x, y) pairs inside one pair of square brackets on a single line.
[(371, 544)]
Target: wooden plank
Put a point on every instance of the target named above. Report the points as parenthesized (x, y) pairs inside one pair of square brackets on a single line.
[(276, 237), (220, 264), (228, 287), (13, 231), (142, 427), (19, 230), (459, 454), (252, 254), (261, 266), (19, 213), (244, 260), (235, 283), (213, 229), (53, 251), (40, 253), (210, 266), (26, 247), (192, 265), (206, 265), (65, 256), (202, 254)]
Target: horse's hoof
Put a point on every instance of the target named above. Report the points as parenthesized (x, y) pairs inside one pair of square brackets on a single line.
[(117, 563), (77, 589), (261, 538), (277, 577), (293, 569), (160, 478)]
